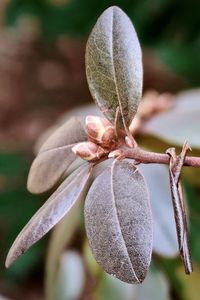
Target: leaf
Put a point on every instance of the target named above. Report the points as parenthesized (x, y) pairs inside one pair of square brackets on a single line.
[(113, 289), (154, 287), (55, 156), (119, 222), (55, 208), (71, 277), (114, 66), (164, 230), (84, 111), (175, 166), (60, 239), (179, 124)]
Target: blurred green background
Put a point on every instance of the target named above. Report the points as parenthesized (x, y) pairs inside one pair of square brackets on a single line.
[(42, 75)]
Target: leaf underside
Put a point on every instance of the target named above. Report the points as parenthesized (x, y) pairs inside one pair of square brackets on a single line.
[(119, 222), (114, 66), (54, 209), (55, 156)]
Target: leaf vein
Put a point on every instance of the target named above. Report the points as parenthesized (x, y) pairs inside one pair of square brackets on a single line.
[(123, 240)]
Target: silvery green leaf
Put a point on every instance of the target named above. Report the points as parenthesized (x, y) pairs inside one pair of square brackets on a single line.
[(71, 277), (154, 287), (54, 209), (114, 65), (179, 124), (80, 112), (164, 228), (55, 156), (113, 289), (72, 131), (119, 222)]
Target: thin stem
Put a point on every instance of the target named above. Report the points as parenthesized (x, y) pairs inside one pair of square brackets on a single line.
[(147, 157)]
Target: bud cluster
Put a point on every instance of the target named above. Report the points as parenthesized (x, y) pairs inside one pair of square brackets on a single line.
[(101, 139)]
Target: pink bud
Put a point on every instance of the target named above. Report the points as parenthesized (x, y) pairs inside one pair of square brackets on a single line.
[(89, 151), (101, 131)]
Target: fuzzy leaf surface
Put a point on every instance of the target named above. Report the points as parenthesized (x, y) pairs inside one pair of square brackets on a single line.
[(55, 156), (54, 209), (119, 222), (114, 65)]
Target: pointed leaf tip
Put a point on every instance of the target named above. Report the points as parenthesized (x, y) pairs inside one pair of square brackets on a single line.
[(54, 209), (55, 156), (114, 66)]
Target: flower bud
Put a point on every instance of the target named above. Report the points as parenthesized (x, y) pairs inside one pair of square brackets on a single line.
[(88, 151), (100, 131)]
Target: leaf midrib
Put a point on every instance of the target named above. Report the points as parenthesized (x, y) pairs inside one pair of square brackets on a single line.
[(25, 230), (114, 70), (117, 217)]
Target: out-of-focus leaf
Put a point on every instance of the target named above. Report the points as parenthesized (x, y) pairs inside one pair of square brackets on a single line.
[(93, 267), (164, 230), (154, 287), (153, 143), (60, 238), (70, 132), (119, 222), (194, 219), (113, 289), (179, 124), (71, 277), (55, 156), (60, 202), (190, 284), (114, 65), (83, 111), (80, 112)]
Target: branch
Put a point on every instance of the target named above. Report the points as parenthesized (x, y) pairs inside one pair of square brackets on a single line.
[(148, 157)]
